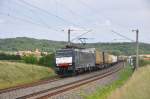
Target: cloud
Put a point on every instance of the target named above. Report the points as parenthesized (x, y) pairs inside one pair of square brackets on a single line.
[(105, 23), (2, 21), (108, 23)]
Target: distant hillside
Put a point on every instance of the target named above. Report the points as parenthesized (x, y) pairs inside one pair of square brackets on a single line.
[(24, 43), (123, 48)]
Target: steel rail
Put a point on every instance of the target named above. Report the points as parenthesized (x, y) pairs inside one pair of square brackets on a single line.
[(60, 89), (51, 79)]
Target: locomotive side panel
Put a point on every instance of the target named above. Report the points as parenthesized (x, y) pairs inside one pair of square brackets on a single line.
[(84, 59)]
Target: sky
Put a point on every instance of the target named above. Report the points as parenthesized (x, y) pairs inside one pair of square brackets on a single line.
[(50, 19)]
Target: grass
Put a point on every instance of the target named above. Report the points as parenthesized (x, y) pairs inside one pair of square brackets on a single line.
[(144, 62), (138, 87), (103, 93), (14, 73)]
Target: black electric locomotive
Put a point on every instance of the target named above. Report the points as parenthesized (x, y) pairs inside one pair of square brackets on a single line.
[(71, 61)]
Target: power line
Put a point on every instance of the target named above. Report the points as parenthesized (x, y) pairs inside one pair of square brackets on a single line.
[(81, 35), (19, 18), (95, 10), (47, 12), (92, 9), (26, 15), (72, 12), (41, 21), (119, 34), (29, 19), (25, 19)]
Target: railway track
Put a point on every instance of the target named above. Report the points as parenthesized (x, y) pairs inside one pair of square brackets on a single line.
[(56, 85), (19, 87), (66, 87)]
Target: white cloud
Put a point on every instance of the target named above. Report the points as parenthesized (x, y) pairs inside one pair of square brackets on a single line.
[(108, 23), (2, 21)]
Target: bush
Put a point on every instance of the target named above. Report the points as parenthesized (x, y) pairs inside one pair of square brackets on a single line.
[(30, 59), (47, 60), (4, 56), (144, 62)]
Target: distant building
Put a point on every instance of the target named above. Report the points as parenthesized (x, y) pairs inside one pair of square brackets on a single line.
[(36, 53), (24, 53), (145, 56)]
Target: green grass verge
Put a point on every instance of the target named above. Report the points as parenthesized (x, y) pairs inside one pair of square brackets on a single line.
[(104, 92), (138, 87), (14, 73), (144, 62)]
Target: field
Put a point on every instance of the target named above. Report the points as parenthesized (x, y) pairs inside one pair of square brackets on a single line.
[(13, 73), (138, 87)]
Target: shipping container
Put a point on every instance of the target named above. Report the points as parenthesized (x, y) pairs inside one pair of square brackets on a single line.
[(98, 57)]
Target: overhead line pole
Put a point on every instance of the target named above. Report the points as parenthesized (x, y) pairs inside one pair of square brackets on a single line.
[(137, 48), (69, 35), (69, 43)]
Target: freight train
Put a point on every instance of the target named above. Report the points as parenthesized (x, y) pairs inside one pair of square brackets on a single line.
[(71, 61)]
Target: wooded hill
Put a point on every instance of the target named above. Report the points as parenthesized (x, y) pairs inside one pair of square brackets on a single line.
[(24, 43)]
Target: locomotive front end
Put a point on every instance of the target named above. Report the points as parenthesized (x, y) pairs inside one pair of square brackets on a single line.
[(63, 61)]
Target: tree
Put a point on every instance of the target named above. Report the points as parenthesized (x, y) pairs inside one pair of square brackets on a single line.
[(47, 60)]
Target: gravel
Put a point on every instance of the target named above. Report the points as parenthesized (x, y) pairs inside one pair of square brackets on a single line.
[(87, 89)]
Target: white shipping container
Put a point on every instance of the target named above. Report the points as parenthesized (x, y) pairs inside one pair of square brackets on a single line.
[(114, 58)]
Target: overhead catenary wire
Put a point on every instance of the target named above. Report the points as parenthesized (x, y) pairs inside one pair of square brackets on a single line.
[(81, 35), (102, 15), (48, 13), (30, 18), (25, 20), (92, 9), (119, 34), (73, 12), (33, 12), (28, 4)]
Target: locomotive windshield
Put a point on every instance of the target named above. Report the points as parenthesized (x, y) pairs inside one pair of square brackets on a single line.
[(63, 57), (64, 53)]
